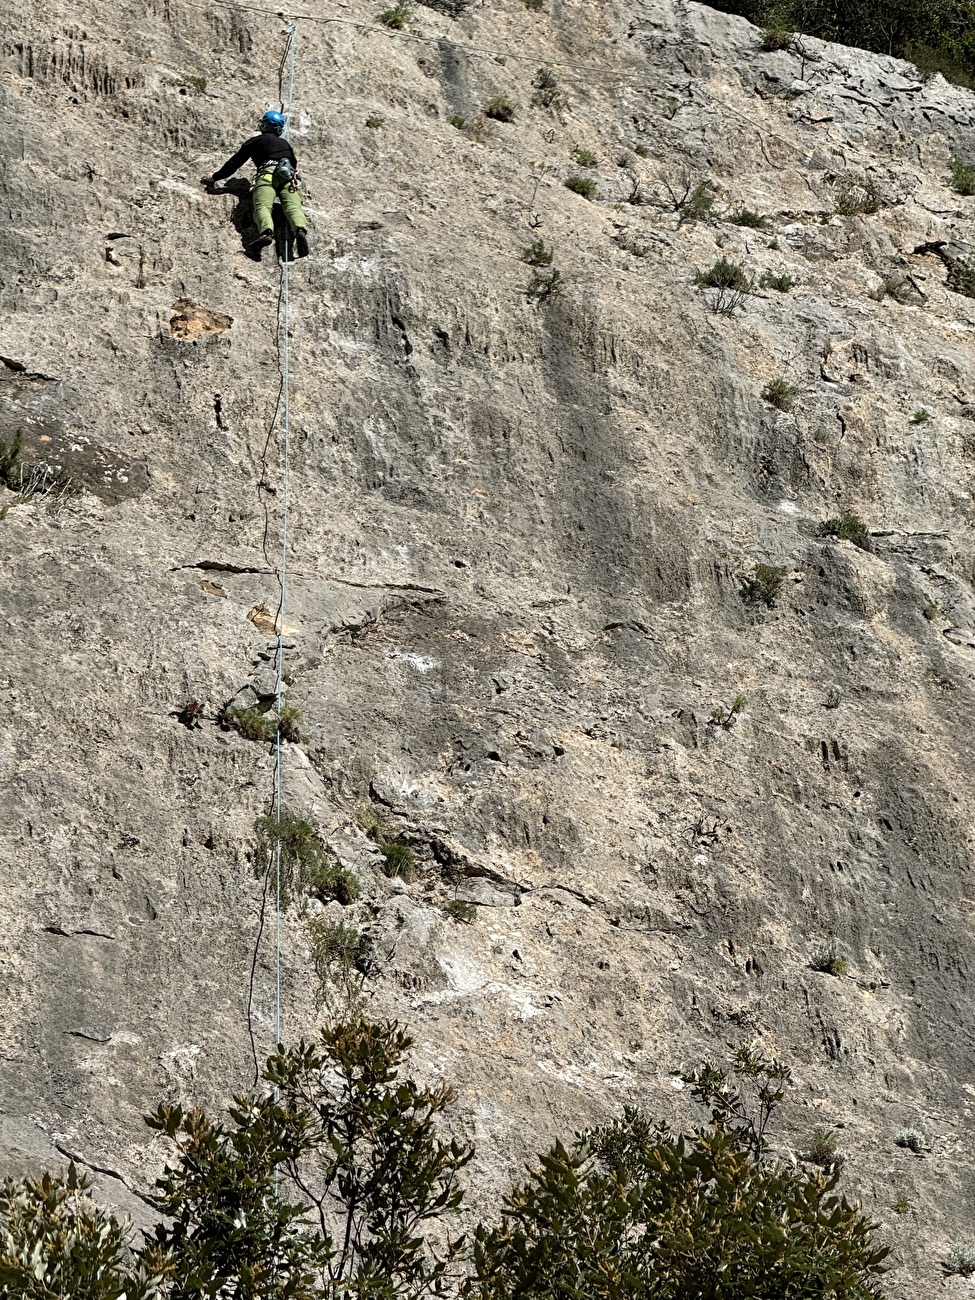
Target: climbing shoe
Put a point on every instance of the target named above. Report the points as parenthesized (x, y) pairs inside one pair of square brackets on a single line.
[(257, 246), (301, 242)]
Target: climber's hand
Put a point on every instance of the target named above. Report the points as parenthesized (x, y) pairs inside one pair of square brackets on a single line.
[(206, 181)]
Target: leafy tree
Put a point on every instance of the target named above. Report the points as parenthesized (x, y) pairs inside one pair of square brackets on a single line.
[(228, 1233), (635, 1212), (57, 1244), (938, 35), (330, 1179), (323, 1182)]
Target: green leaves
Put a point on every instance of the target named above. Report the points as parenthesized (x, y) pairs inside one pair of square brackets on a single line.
[(324, 1178), (55, 1242), (633, 1212), (332, 1179), (936, 35)]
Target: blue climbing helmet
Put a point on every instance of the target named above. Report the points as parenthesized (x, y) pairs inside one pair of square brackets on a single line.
[(274, 122)]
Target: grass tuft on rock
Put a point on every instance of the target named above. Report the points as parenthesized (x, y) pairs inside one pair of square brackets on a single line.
[(399, 860), (463, 913), (501, 109), (396, 18), (584, 186), (781, 283), (780, 394), (826, 959), (962, 179), (763, 587), (749, 219), (846, 527)]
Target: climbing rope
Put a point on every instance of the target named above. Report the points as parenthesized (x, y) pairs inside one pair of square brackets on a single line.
[(285, 308)]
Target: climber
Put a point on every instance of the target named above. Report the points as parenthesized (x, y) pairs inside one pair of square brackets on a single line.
[(277, 174)]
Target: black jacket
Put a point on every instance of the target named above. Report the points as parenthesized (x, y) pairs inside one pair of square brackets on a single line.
[(260, 150)]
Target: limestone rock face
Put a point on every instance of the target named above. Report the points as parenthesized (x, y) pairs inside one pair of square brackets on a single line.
[(523, 514)]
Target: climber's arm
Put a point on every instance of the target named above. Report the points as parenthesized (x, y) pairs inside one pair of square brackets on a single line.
[(231, 165)]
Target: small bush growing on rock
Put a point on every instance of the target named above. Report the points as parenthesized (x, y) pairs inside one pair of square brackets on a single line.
[(641, 151), (337, 952), (456, 120), (585, 157), (397, 17), (746, 217), (536, 6), (921, 417), (452, 8), (825, 958), (724, 274), (334, 942), (962, 177), (501, 109), (780, 394), (858, 196), (636, 195), (931, 611), (479, 129), (911, 1138), (821, 1149), (289, 724), (764, 586), (691, 201), (901, 1204), (536, 254), (331, 882), (847, 527), (191, 715), (10, 472), (780, 283), (725, 718), (462, 912), (961, 1259), (730, 283), (546, 86), (543, 285), (302, 853), (777, 38), (248, 722), (582, 185), (399, 860), (374, 121)]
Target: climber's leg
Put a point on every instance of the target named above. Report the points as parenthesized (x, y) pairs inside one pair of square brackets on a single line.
[(291, 206), (262, 200)]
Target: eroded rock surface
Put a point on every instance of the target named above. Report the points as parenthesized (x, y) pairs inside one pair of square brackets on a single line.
[(519, 529)]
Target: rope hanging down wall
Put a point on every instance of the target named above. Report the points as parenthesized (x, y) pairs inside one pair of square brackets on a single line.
[(285, 325)]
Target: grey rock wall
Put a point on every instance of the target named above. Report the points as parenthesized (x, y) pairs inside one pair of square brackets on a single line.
[(518, 533)]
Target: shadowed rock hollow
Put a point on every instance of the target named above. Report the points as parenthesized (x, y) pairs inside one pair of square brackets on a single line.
[(522, 523)]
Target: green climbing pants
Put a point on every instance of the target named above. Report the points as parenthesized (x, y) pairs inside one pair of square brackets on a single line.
[(266, 187)]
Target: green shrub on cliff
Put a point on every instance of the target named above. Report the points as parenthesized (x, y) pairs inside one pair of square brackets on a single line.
[(633, 1211), (332, 1177), (935, 35)]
